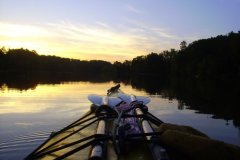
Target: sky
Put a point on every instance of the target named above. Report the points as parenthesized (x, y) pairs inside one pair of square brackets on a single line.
[(112, 30)]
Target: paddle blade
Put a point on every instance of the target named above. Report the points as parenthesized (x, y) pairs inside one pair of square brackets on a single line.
[(104, 100), (113, 101), (125, 97), (95, 99), (129, 98), (143, 99)]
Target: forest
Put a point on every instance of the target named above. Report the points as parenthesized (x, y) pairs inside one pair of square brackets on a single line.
[(26, 61), (216, 58)]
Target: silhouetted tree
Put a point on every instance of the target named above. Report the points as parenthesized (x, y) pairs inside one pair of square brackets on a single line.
[(214, 58), (183, 45), (24, 60)]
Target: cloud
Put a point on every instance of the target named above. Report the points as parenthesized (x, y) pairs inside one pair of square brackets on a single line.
[(97, 41), (133, 9), (70, 40), (18, 30), (157, 38), (88, 41), (154, 30), (102, 24), (33, 37)]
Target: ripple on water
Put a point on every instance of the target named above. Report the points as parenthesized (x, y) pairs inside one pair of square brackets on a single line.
[(22, 144)]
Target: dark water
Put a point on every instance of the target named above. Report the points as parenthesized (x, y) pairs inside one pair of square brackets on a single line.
[(29, 112)]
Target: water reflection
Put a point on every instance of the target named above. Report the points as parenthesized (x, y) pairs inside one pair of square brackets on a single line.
[(218, 99), (30, 81), (221, 100), (27, 117), (29, 112)]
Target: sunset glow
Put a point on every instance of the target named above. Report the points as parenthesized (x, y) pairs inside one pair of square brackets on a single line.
[(123, 31)]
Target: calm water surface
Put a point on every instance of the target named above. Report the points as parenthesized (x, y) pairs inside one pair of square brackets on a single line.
[(28, 117)]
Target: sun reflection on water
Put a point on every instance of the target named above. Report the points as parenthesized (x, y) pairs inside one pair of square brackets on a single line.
[(35, 113), (48, 97)]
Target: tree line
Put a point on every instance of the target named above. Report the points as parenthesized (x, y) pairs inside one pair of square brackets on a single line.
[(28, 61), (215, 58)]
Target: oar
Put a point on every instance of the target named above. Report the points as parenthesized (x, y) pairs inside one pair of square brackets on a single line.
[(130, 98), (158, 152), (104, 100)]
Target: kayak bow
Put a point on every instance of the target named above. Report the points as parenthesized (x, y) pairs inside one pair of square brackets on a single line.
[(117, 126)]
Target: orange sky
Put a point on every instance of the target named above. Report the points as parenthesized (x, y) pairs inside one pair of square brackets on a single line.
[(77, 41), (112, 30)]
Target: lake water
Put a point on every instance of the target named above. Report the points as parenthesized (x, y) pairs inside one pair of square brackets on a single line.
[(27, 117)]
